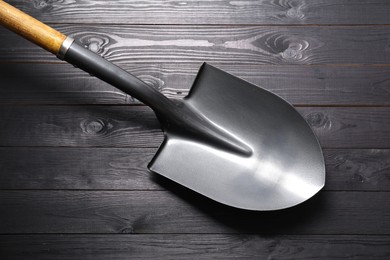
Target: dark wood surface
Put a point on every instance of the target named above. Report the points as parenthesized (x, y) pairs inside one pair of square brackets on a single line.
[(210, 12), (204, 246), (300, 45), (177, 210), (74, 150), (300, 85)]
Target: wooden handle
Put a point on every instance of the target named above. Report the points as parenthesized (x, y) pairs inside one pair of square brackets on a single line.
[(30, 28)]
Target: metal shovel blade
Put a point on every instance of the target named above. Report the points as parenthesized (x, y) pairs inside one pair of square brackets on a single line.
[(285, 166)]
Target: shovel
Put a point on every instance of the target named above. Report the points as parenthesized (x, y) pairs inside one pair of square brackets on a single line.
[(229, 140)]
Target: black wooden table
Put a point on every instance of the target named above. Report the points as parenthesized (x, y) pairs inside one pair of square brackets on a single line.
[(74, 150)]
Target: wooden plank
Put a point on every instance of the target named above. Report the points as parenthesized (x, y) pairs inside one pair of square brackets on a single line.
[(210, 12), (136, 126), (309, 85), (349, 127), (75, 168), (179, 210), (83, 126), (206, 246), (355, 169), (219, 44), (126, 169)]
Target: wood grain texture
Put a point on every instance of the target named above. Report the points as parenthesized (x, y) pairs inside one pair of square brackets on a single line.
[(219, 44), (310, 85), (126, 169), (349, 127), (137, 126), (30, 28), (190, 246), (210, 12), (86, 126), (355, 169), (178, 210), (76, 168)]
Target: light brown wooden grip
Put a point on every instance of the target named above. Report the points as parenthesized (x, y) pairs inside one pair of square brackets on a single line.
[(30, 28)]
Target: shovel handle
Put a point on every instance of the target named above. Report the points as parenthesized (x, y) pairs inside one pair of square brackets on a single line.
[(65, 48), (30, 28)]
